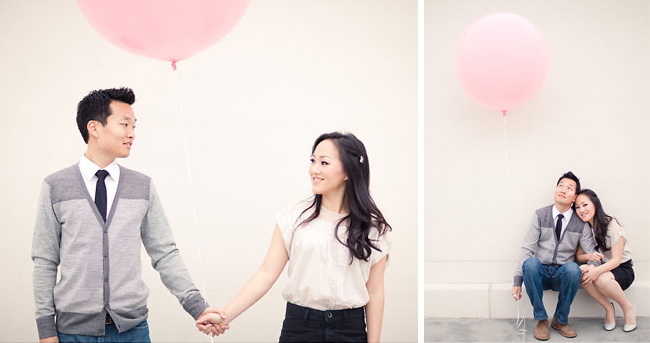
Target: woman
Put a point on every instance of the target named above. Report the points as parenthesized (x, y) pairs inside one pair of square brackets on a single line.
[(615, 275), (337, 247)]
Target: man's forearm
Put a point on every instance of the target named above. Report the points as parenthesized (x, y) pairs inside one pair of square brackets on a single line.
[(44, 280)]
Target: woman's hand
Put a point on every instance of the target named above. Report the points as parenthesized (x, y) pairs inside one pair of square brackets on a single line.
[(211, 322), (584, 258), (595, 256), (590, 274)]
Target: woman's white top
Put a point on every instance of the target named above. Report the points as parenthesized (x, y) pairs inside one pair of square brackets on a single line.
[(614, 233), (320, 274)]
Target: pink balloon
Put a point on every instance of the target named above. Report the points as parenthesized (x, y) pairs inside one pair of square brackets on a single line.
[(502, 60), (169, 30)]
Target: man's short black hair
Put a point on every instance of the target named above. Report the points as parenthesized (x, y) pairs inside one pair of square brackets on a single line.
[(96, 106), (569, 175)]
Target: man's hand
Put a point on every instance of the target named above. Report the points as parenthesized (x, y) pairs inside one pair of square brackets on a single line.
[(211, 322), (53, 339), (516, 292)]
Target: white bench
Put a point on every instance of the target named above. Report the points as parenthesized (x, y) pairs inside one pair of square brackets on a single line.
[(494, 300)]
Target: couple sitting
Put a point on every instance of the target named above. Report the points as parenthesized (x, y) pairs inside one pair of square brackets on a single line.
[(557, 238)]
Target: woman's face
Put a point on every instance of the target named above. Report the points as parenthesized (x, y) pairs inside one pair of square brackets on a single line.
[(585, 208), (326, 169)]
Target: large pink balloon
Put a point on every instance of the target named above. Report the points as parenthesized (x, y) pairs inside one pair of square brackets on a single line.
[(502, 60), (169, 30)]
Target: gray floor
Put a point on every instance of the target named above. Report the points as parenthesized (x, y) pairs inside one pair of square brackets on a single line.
[(504, 330)]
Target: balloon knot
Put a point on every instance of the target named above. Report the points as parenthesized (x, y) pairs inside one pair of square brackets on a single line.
[(174, 66), (504, 113)]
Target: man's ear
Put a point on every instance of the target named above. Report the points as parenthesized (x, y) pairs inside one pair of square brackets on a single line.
[(93, 128)]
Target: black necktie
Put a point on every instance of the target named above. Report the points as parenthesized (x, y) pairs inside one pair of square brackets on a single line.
[(100, 192), (558, 226)]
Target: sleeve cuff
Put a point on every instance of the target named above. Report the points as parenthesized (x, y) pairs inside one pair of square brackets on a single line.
[(46, 327), (594, 263), (518, 281), (195, 305)]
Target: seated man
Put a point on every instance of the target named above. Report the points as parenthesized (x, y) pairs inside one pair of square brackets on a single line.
[(553, 237)]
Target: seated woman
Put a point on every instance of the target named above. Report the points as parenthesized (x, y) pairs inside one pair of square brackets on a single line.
[(615, 275)]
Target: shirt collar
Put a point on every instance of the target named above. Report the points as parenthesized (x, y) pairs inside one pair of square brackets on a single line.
[(567, 214), (88, 169)]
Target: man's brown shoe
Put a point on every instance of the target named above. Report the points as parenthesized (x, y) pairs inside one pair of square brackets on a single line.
[(564, 329), (541, 331)]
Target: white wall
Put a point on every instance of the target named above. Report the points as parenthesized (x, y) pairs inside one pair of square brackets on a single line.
[(591, 117), (253, 104)]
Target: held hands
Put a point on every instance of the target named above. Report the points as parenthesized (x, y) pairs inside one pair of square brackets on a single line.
[(212, 322), (589, 274), (516, 292)]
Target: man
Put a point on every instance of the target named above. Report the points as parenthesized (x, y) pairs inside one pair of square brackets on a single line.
[(553, 237), (91, 220)]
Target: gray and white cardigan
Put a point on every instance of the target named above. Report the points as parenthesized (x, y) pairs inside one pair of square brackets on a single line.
[(100, 266), (541, 241)]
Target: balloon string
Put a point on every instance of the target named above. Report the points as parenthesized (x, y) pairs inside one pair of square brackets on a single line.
[(505, 135), (188, 171), (521, 320)]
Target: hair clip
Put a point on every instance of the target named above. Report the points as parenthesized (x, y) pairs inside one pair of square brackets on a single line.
[(360, 159)]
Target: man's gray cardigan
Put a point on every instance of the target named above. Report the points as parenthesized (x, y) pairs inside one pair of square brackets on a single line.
[(100, 266), (541, 241)]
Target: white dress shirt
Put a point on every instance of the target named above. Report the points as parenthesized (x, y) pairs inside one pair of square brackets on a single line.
[(320, 274), (565, 220), (88, 170)]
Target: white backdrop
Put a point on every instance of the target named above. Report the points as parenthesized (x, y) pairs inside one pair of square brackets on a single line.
[(591, 117), (253, 104)]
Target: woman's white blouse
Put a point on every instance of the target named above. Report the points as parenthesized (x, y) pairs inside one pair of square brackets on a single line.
[(614, 233), (320, 274)]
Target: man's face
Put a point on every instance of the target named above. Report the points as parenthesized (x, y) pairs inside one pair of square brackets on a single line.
[(116, 137), (565, 192)]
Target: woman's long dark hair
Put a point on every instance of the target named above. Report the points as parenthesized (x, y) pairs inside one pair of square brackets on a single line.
[(364, 214), (601, 220)]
